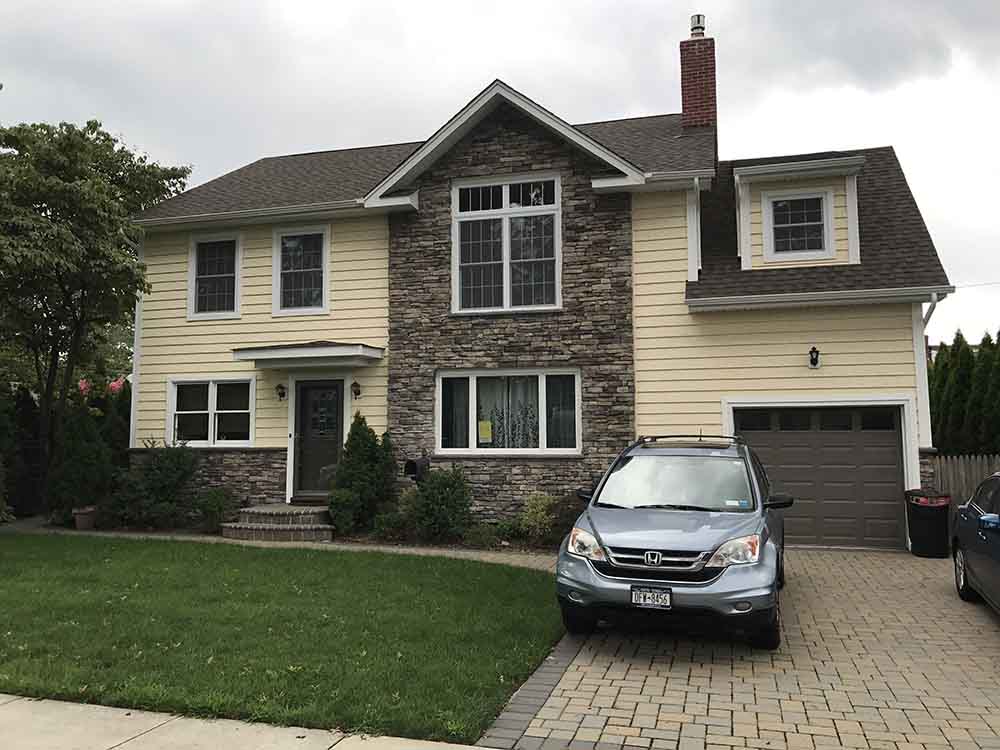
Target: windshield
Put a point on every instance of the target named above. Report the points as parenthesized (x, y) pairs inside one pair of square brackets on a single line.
[(713, 483)]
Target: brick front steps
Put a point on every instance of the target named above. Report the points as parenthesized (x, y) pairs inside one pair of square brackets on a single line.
[(280, 523)]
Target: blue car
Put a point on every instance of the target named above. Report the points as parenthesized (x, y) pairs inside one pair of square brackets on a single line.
[(976, 545)]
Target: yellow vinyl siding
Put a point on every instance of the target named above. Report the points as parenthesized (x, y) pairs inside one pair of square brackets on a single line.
[(687, 363), (171, 345), (840, 233)]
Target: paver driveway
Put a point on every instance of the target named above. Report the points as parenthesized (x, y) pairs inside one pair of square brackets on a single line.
[(878, 653)]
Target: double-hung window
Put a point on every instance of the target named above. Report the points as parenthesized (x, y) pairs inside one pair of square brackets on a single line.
[(214, 277), (506, 252), (797, 225), (508, 412), (210, 412), (300, 282)]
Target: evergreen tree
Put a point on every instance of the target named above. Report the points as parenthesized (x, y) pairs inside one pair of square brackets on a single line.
[(937, 376), (956, 395), (969, 441), (989, 429)]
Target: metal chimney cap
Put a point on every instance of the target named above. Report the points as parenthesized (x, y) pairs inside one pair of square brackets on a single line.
[(697, 25)]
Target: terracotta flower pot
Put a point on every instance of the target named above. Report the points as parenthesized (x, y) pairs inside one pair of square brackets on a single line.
[(85, 518)]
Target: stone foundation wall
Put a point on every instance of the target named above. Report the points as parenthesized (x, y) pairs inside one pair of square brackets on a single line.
[(254, 475), (592, 331)]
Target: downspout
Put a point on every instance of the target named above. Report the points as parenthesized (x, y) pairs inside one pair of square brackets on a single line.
[(930, 310)]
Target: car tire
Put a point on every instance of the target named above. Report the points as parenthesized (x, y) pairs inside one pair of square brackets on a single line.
[(578, 620), (965, 591), (768, 636)]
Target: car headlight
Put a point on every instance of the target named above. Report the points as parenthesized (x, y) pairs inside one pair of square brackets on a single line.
[(584, 544), (740, 551)]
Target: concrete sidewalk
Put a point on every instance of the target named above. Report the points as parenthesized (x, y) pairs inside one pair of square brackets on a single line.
[(29, 724)]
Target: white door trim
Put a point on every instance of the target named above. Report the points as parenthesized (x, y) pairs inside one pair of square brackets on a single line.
[(293, 379)]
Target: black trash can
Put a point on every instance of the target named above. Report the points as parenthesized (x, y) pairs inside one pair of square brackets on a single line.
[(927, 518)]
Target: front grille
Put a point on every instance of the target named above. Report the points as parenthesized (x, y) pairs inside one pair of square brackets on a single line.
[(670, 557), (662, 573)]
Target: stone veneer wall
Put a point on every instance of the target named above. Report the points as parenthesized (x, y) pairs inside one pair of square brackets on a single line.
[(593, 331), (254, 475)]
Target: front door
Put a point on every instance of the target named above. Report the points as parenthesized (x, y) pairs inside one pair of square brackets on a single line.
[(319, 434)]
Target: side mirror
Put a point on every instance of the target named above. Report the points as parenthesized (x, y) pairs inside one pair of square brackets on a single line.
[(779, 501), (989, 522), (585, 494)]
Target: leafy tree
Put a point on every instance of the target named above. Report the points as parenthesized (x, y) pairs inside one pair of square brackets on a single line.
[(969, 441), (937, 377), (956, 396), (989, 429), (69, 271)]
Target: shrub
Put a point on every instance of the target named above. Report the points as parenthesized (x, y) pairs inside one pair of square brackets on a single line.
[(508, 530), (368, 468), (83, 473), (439, 509), (538, 517), (216, 506), (6, 514), (346, 506), (481, 536), (154, 493), (391, 526)]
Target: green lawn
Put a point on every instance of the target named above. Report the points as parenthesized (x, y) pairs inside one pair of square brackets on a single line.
[(421, 647)]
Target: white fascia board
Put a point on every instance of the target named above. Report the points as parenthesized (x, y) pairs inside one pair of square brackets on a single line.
[(303, 354), (655, 181), (812, 299), (843, 165), (410, 201), (469, 116)]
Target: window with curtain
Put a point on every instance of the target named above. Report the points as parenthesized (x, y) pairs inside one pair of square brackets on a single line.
[(506, 250), (519, 411)]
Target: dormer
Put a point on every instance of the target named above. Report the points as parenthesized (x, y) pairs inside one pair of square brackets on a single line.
[(798, 213)]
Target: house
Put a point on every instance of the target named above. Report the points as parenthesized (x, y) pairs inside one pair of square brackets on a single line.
[(521, 297)]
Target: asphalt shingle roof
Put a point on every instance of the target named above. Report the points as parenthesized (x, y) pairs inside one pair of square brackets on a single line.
[(896, 248), (654, 144)]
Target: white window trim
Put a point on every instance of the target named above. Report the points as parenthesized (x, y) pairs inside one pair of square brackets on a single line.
[(192, 313), (212, 381), (505, 213), (276, 309), (767, 198), (542, 413)]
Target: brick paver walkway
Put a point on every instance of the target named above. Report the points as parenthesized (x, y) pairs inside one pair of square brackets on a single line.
[(878, 653)]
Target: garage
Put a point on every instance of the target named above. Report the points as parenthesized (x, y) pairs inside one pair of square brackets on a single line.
[(843, 466)]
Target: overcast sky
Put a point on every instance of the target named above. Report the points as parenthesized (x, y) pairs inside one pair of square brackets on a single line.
[(219, 84)]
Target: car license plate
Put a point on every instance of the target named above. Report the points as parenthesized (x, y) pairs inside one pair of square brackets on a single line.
[(650, 597)]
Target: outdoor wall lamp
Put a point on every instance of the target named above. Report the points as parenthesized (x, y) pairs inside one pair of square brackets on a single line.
[(814, 358), (281, 391), (356, 389)]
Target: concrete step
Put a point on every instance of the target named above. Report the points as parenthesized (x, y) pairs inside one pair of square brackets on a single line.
[(290, 515), (278, 532)]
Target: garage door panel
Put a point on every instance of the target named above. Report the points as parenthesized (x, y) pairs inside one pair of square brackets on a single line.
[(847, 484)]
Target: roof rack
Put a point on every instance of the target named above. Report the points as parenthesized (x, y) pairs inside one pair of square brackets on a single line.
[(648, 439)]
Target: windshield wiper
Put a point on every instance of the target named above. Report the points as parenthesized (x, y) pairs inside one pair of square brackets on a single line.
[(599, 504), (674, 507)]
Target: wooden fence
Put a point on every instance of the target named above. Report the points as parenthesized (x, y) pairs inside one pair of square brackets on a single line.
[(960, 475)]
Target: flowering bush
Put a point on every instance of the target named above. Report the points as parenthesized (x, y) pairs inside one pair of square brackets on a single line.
[(85, 387), (116, 385)]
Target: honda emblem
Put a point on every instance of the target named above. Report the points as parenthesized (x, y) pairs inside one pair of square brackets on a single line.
[(652, 558)]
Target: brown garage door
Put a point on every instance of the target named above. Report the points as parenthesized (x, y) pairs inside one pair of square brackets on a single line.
[(843, 466)]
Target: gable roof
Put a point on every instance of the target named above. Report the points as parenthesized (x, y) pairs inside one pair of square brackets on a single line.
[(343, 178), (896, 249)]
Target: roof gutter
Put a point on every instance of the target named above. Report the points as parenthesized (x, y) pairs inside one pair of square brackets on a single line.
[(813, 299), (347, 207), (844, 165), (655, 181)]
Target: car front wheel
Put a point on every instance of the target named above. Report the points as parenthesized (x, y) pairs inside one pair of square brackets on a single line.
[(768, 635), (579, 620), (965, 591)]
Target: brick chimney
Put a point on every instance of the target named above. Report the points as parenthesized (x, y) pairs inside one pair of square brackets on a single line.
[(698, 77)]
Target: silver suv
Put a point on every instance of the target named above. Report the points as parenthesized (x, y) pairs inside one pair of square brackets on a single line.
[(684, 525)]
